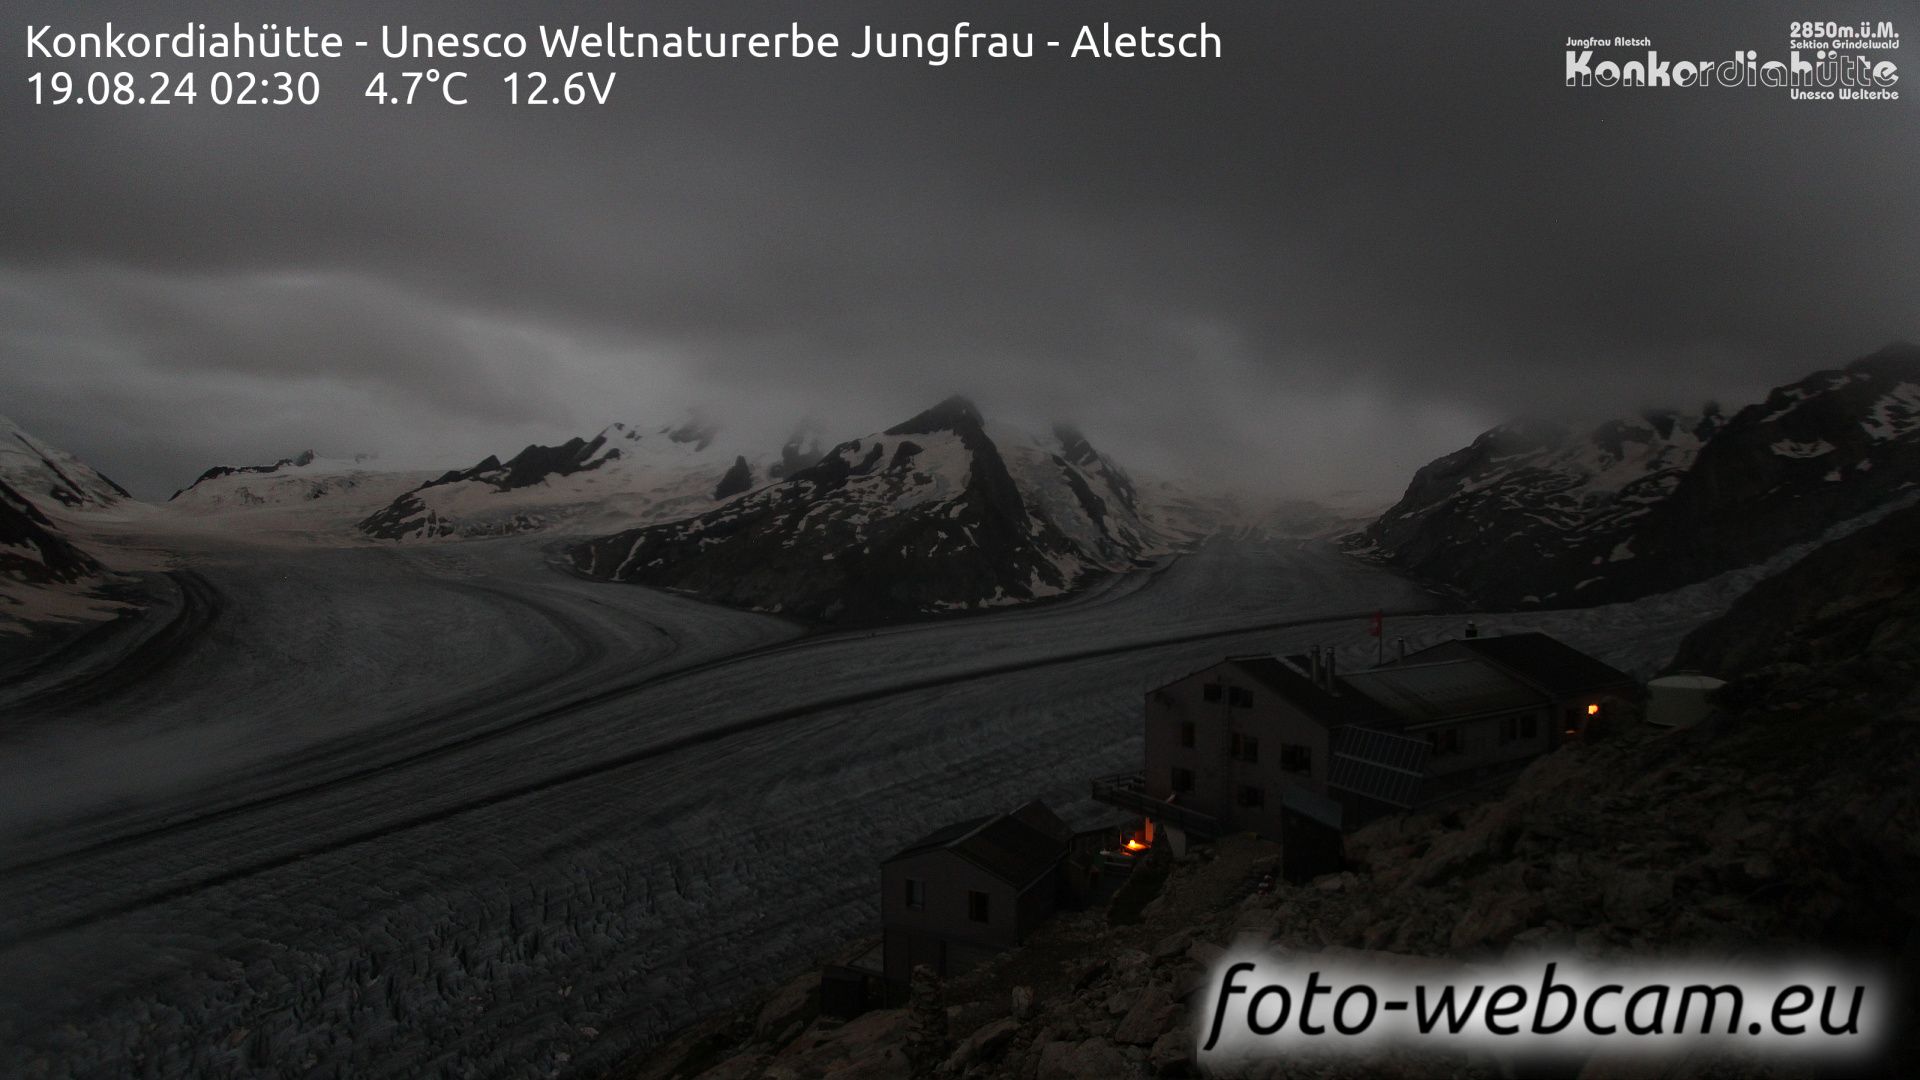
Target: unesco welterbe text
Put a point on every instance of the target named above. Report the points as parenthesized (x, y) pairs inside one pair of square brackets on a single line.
[(959, 41)]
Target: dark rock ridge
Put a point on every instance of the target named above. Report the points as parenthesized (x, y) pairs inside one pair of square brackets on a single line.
[(919, 519), (1849, 612), (1534, 514), (300, 460), (407, 515), (32, 547), (534, 464), (1832, 446), (738, 479), (802, 449)]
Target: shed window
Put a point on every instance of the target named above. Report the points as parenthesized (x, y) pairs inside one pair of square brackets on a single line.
[(1210, 692), (977, 905), (1295, 758), (916, 893), (1239, 697)]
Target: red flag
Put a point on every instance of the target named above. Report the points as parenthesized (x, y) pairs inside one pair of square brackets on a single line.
[(1378, 627)]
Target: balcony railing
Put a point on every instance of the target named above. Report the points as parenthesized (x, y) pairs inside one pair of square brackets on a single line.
[(1128, 791)]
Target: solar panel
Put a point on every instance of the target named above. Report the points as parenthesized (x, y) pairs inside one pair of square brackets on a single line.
[(1379, 765)]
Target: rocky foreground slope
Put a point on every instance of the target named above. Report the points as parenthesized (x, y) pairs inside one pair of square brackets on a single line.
[(1790, 822), (1541, 515)]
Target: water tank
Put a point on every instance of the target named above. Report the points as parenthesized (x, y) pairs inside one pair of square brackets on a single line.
[(1681, 700)]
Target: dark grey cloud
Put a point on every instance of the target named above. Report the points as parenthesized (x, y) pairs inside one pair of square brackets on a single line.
[(1366, 232)]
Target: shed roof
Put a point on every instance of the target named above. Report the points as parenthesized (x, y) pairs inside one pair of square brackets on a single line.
[(1016, 847)]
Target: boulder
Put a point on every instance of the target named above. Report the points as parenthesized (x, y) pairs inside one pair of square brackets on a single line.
[(1635, 898), (1494, 919), (1152, 1014), (1092, 1059), (743, 1067), (1172, 945), (888, 1064), (1172, 1052), (787, 1006), (1205, 953), (983, 1046)]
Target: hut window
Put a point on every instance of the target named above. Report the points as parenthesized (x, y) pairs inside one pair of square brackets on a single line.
[(1519, 727), (1296, 758), (916, 893), (1244, 748), (1210, 692)]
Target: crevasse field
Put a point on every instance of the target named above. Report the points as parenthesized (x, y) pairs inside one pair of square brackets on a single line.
[(447, 810)]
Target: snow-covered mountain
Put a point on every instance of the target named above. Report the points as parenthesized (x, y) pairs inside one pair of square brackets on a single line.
[(1084, 493), (1537, 514), (45, 574), (625, 475), (52, 476), (933, 515), (305, 483)]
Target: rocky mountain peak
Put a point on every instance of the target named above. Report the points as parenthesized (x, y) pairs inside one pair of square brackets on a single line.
[(956, 414)]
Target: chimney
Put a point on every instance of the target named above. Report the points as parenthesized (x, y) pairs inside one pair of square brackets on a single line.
[(1329, 672), (1402, 644), (1473, 629), (1313, 665)]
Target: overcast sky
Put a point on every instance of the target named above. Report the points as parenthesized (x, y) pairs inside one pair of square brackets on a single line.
[(1365, 234)]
